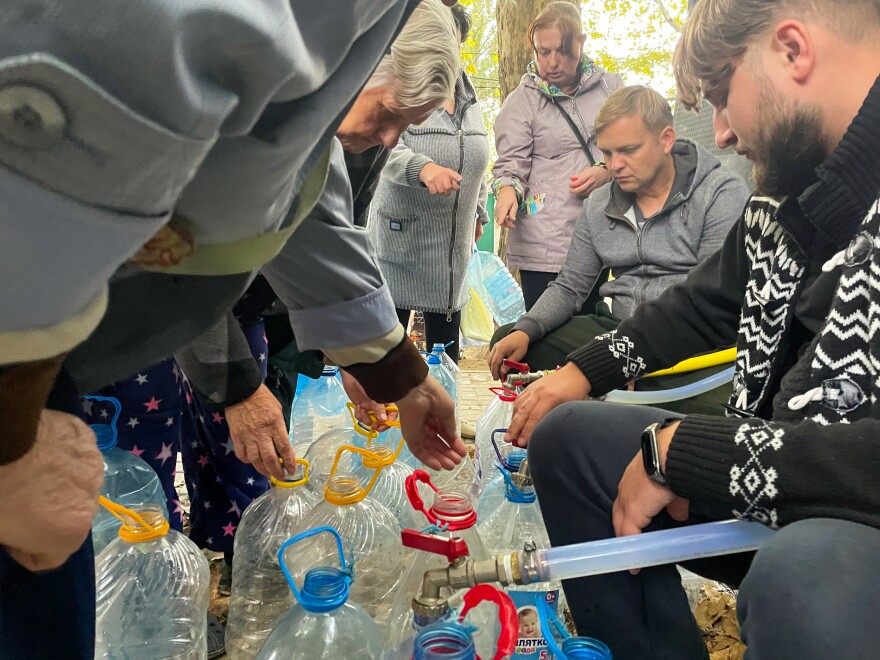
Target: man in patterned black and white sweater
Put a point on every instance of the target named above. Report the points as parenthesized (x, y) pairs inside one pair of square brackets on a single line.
[(796, 286)]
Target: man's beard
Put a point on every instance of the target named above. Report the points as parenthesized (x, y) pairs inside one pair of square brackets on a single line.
[(789, 147)]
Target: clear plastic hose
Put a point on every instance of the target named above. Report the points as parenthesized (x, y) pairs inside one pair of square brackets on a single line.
[(669, 546), (677, 394)]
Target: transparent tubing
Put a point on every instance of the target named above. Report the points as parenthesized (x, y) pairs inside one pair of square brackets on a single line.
[(669, 546), (676, 394)]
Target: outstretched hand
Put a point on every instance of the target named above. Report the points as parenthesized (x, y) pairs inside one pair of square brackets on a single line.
[(427, 420)]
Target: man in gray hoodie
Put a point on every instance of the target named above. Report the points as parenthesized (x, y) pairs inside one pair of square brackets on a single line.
[(668, 207)]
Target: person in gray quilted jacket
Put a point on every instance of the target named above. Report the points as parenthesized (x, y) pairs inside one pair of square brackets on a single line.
[(543, 172), (429, 209)]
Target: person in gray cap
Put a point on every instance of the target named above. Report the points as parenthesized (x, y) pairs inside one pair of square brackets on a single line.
[(145, 178)]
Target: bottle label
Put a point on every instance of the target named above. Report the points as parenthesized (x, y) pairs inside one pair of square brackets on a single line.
[(530, 643)]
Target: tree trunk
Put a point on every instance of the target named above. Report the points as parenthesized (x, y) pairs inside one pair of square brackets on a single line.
[(514, 53)]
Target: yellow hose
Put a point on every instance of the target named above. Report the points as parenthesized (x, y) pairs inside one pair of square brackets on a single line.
[(715, 359)]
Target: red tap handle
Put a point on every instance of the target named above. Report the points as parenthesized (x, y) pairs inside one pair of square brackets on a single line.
[(503, 393), (521, 367), (411, 485), (506, 616), (451, 548)]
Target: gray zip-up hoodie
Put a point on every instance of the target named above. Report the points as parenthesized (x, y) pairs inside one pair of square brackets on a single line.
[(704, 203)]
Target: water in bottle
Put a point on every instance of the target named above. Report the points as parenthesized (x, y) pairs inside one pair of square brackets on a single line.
[(451, 531), (128, 480), (260, 595), (151, 592), (496, 415), (495, 492), (370, 534), (323, 624), (497, 287), (514, 523), (441, 374), (318, 409), (452, 639)]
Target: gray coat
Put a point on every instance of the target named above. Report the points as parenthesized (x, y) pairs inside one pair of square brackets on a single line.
[(704, 203), (537, 148), (119, 115), (423, 242)]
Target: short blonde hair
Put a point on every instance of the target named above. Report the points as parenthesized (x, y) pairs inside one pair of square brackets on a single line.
[(425, 58), (719, 32), (635, 100)]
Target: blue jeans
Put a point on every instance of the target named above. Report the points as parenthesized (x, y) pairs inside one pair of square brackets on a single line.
[(812, 591)]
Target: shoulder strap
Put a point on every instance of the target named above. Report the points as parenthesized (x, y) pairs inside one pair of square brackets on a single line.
[(574, 129)]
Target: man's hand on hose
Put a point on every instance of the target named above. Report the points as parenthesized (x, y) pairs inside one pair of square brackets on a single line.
[(258, 434), (512, 347), (50, 495), (427, 418), (542, 396)]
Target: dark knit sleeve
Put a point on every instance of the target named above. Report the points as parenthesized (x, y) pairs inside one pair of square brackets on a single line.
[(697, 316), (777, 473)]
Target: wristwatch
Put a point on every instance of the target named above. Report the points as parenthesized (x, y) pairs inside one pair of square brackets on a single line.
[(650, 455)]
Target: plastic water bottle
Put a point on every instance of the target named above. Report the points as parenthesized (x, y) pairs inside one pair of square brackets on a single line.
[(496, 286), (128, 480), (496, 415), (513, 524), (495, 492), (452, 639), (370, 534), (462, 477), (152, 592), (324, 624), (318, 409), (449, 364), (441, 374), (451, 534), (390, 486), (260, 595), (571, 648)]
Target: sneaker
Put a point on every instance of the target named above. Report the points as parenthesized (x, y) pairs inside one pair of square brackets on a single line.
[(216, 637), (468, 432)]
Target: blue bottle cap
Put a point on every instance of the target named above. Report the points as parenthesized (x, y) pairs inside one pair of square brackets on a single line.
[(432, 359)]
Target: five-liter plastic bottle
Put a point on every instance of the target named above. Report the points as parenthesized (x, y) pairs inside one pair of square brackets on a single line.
[(496, 415), (323, 624), (496, 286), (514, 523), (451, 516), (439, 350), (260, 595), (452, 638), (390, 486), (128, 480), (571, 648), (509, 459), (319, 408), (151, 592), (370, 534), (441, 374)]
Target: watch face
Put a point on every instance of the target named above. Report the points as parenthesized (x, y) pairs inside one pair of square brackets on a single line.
[(649, 450)]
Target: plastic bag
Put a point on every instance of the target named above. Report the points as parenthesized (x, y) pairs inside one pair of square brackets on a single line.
[(476, 321)]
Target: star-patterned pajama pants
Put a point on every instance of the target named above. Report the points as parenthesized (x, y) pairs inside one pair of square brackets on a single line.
[(161, 416)]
